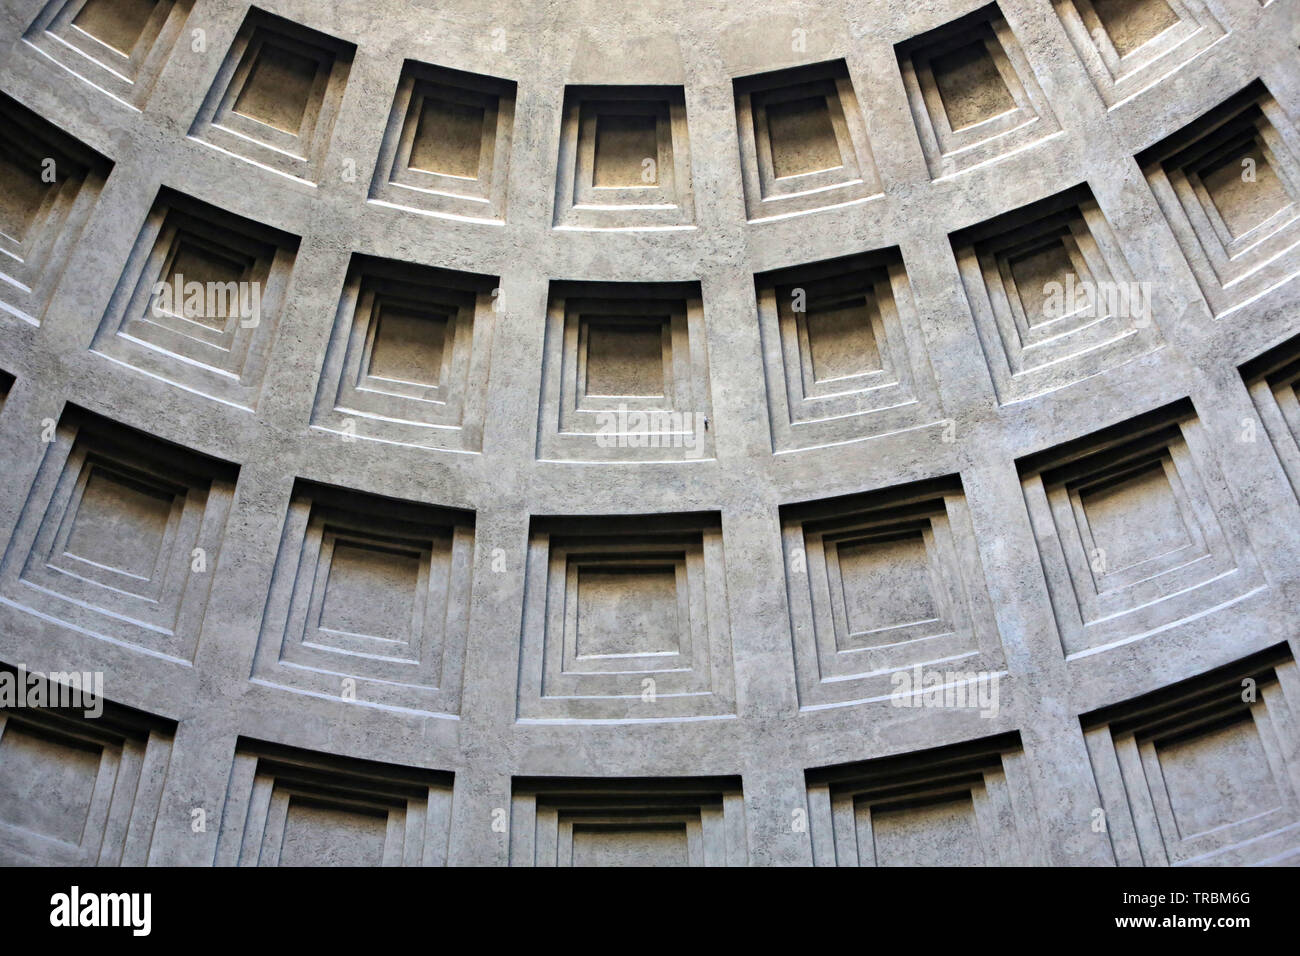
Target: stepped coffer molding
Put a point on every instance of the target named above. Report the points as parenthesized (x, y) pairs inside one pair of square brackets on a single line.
[(803, 141), (120, 536), (1054, 297), (199, 300), (883, 582), (625, 374), (446, 151), (49, 183), (79, 789), (843, 351), (627, 822), (1229, 184), (1137, 534), (289, 807), (1129, 46), (117, 46), (972, 92), (276, 99), (1204, 771), (407, 362), (624, 159), (961, 805), (369, 600), (626, 618)]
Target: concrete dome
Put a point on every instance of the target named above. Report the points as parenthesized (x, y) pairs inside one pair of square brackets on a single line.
[(662, 432)]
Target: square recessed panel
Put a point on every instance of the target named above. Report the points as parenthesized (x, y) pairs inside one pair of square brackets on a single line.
[(449, 139), (803, 141), (841, 342), (886, 583), (1144, 527), (1132, 23), (970, 86), (625, 374), (120, 523), (1245, 201), (627, 611), (1217, 777), (199, 263), (623, 144), (205, 285), (117, 530), (1035, 273), (192, 262), (625, 619), (371, 591), (973, 95), (446, 150), (802, 137), (930, 834), (1135, 518), (276, 98), (109, 535), (120, 532), (77, 788), (624, 159), (881, 582), (118, 23), (278, 88), (622, 616), (625, 358), (408, 346), (317, 834), (47, 783)]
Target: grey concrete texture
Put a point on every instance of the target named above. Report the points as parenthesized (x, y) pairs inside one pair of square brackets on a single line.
[(365, 581)]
